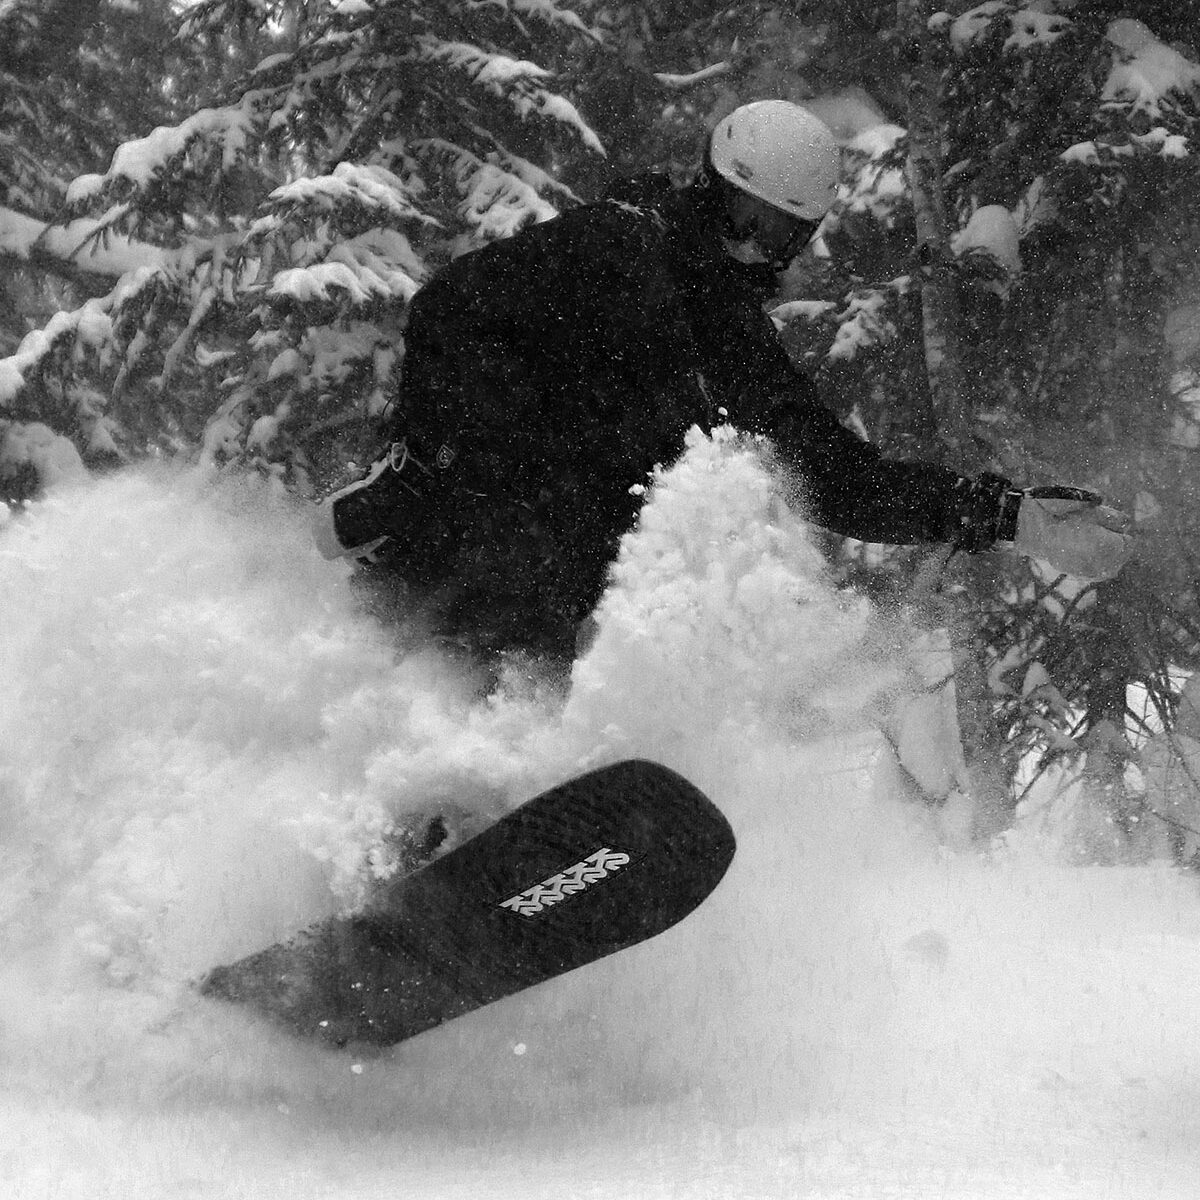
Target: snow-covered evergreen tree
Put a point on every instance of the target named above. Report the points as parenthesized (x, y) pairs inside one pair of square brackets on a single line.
[(1061, 128), (1072, 140), (76, 77), (285, 229)]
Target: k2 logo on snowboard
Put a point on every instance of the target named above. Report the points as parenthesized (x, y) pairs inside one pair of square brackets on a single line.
[(566, 883)]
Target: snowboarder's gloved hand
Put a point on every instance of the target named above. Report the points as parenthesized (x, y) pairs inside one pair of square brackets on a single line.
[(1073, 531)]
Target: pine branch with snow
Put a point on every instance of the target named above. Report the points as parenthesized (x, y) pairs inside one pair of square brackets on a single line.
[(295, 222), (68, 70)]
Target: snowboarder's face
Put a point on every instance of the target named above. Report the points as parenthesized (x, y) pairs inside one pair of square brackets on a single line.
[(760, 232)]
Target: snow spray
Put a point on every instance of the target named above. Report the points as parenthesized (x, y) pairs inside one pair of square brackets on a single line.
[(205, 744)]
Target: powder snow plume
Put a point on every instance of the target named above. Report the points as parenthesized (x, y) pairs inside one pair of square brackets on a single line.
[(204, 745)]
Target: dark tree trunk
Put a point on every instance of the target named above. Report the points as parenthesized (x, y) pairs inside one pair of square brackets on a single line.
[(964, 594)]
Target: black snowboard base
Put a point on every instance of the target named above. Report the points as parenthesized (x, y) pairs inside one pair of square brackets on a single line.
[(591, 867)]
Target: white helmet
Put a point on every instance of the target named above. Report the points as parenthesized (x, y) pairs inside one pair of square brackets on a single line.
[(781, 153)]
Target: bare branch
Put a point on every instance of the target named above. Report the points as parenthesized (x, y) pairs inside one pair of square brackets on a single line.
[(681, 82)]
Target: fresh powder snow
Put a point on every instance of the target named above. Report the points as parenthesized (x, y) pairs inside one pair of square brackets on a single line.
[(204, 745)]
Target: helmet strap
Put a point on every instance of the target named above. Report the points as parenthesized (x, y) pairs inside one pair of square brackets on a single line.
[(805, 232)]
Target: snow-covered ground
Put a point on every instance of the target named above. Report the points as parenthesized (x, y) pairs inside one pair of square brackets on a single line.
[(202, 742)]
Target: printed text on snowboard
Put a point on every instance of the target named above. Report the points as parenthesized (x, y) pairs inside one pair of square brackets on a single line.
[(566, 883)]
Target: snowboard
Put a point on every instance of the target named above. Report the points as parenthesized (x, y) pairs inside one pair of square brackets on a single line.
[(595, 865)]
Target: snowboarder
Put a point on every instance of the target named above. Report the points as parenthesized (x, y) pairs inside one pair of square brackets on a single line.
[(546, 374)]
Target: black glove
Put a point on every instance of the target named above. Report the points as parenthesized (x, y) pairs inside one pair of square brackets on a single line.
[(1071, 530)]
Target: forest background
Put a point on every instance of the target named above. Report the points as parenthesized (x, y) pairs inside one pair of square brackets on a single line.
[(214, 214)]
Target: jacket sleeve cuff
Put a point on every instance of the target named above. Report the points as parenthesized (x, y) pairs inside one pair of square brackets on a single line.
[(984, 512)]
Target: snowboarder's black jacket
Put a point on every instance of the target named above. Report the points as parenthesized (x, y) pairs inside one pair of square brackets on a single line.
[(545, 375)]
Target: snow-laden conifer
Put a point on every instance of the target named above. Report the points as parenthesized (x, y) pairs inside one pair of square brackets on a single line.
[(286, 228), (1071, 142)]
